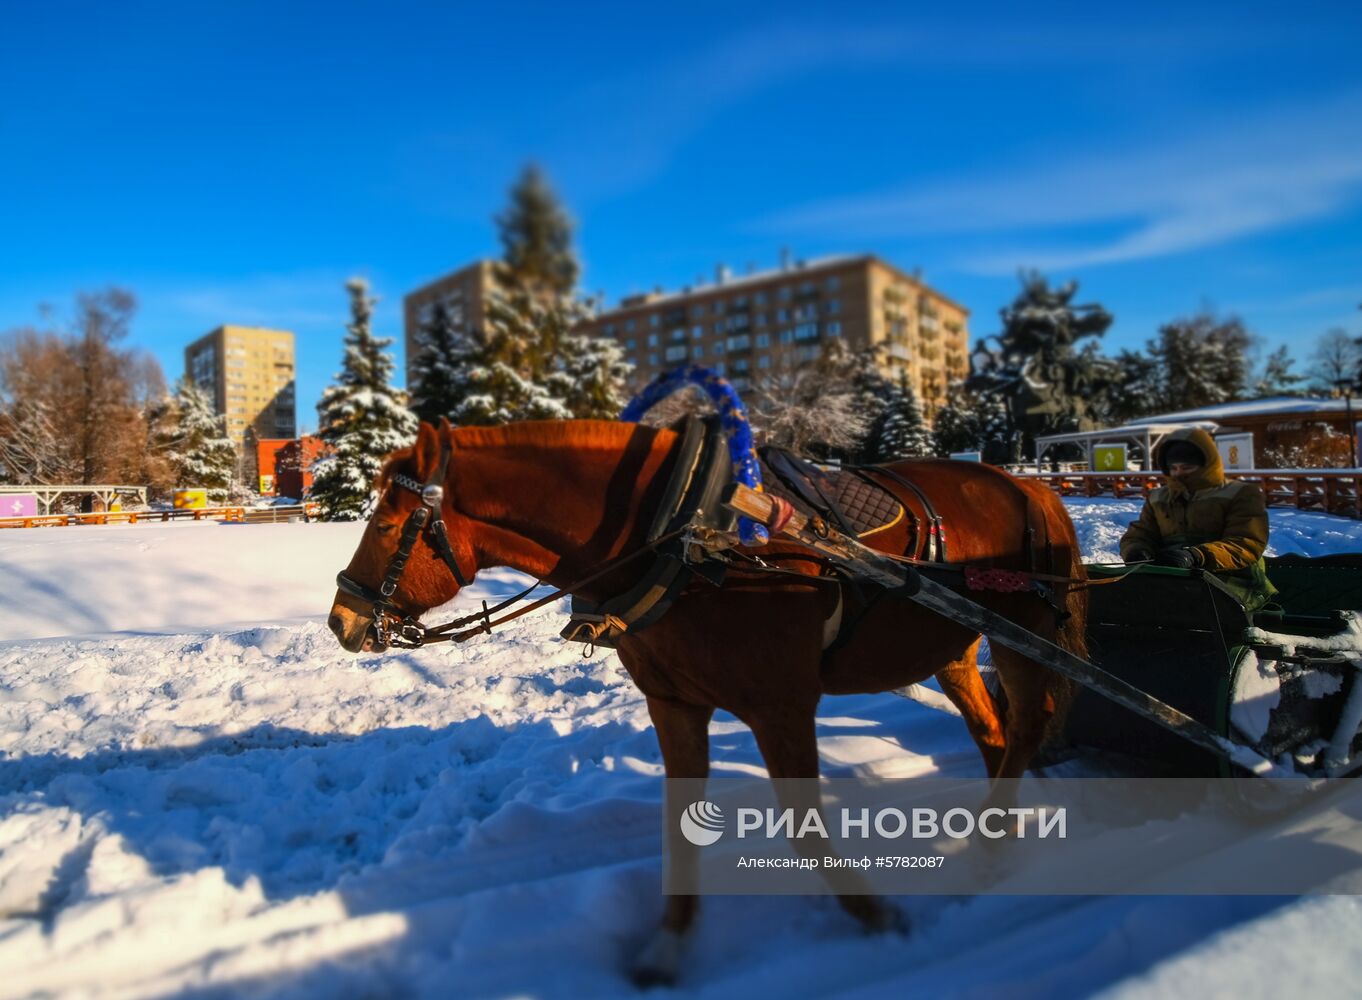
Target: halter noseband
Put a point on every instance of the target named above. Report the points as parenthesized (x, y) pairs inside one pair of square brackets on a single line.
[(390, 626)]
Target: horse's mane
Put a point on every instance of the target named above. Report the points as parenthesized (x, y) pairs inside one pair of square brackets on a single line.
[(588, 435), (585, 435)]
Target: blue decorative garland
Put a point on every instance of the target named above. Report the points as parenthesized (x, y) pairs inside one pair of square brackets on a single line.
[(742, 451)]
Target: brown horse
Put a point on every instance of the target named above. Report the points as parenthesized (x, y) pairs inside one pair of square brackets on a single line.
[(557, 500)]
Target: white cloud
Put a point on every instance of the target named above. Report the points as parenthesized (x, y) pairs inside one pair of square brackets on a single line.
[(1186, 192)]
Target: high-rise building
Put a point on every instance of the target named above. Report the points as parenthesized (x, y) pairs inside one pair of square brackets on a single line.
[(742, 326), (464, 293), (248, 372)]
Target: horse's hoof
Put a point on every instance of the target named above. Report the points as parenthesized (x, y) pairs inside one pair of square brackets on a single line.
[(660, 961)]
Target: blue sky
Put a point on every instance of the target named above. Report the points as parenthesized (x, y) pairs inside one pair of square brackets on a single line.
[(236, 163)]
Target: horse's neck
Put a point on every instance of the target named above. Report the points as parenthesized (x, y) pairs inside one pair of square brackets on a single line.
[(556, 499)]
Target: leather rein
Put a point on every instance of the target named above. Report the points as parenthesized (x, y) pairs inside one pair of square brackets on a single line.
[(393, 629)]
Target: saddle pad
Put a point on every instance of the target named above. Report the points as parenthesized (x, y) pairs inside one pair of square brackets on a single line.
[(865, 507)]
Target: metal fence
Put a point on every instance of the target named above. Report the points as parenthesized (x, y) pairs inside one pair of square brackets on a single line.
[(242, 515), (1328, 491)]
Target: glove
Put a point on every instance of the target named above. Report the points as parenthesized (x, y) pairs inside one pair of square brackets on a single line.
[(1181, 557), (1137, 555)]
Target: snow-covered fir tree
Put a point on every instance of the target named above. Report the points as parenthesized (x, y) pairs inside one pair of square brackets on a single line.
[(591, 377), (528, 362), (973, 421), (901, 431), (438, 372), (200, 452), (536, 236), (361, 418)]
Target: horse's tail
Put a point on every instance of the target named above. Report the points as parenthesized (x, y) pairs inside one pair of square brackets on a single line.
[(1071, 635)]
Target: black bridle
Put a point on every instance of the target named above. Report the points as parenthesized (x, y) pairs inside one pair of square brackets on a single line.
[(393, 628)]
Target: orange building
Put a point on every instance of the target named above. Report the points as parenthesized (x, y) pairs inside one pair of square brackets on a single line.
[(284, 465)]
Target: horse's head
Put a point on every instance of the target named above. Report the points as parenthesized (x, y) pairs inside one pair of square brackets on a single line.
[(403, 567)]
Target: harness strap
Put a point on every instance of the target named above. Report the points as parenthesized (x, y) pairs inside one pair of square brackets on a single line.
[(936, 531)]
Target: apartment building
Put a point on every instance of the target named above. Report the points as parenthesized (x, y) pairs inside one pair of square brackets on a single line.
[(249, 374), (742, 326), (464, 293)]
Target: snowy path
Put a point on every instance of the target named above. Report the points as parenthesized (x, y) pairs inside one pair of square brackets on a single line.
[(192, 806)]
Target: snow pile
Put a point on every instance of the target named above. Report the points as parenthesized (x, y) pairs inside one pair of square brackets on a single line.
[(189, 804)]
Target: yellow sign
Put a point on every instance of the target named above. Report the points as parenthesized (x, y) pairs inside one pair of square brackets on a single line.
[(1109, 458), (191, 499), (266, 485)]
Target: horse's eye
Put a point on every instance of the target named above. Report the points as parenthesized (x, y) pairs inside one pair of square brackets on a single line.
[(385, 528)]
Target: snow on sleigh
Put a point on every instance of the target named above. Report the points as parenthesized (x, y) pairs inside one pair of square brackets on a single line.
[(1283, 680)]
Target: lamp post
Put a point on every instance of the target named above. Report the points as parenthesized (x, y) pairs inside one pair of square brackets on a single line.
[(1346, 385)]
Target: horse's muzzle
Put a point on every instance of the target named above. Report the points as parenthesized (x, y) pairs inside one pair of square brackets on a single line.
[(354, 630)]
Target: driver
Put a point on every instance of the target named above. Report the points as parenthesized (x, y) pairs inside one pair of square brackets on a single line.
[(1200, 519)]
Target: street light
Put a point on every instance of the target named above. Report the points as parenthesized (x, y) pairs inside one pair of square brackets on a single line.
[(1346, 385)]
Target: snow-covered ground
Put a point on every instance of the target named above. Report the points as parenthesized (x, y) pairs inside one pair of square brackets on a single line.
[(200, 792)]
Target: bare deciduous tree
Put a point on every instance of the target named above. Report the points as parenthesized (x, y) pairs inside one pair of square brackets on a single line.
[(811, 407), (1335, 359)]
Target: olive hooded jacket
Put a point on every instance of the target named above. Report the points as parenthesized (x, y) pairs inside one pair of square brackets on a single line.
[(1226, 520)]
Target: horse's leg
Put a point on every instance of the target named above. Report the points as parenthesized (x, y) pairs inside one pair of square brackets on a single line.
[(1029, 708), (961, 683), (788, 743), (683, 735)]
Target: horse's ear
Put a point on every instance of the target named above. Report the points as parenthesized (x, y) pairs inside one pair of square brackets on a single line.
[(446, 429), (426, 453)]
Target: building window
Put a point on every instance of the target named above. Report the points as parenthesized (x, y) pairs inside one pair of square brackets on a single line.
[(763, 340), (786, 337), (834, 328), (719, 308), (652, 360), (782, 315), (677, 335), (759, 319), (833, 306), (698, 351), (630, 344), (696, 332), (628, 326), (764, 361), (676, 353), (739, 343), (652, 340), (654, 320), (718, 347), (806, 331), (760, 298), (785, 292), (609, 330), (719, 368), (834, 283)]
